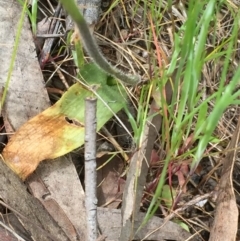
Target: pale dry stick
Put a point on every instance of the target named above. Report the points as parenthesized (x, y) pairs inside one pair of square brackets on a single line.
[(59, 71), (117, 198), (49, 5), (195, 234), (118, 29), (136, 177), (90, 167), (125, 13), (102, 40), (61, 76), (12, 232), (138, 170), (199, 223), (49, 35)]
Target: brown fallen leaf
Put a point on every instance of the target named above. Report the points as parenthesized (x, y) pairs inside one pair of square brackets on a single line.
[(28, 140), (181, 172), (110, 184), (226, 216)]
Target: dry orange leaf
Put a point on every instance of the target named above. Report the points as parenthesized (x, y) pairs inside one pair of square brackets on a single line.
[(60, 129), (43, 137)]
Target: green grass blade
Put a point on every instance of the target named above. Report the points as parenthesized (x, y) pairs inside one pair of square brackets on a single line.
[(14, 54), (34, 16)]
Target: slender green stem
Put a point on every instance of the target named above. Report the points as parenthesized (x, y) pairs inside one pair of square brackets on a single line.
[(14, 54), (92, 48)]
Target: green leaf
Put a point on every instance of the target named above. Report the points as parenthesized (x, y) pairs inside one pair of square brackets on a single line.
[(183, 225), (167, 195), (60, 129)]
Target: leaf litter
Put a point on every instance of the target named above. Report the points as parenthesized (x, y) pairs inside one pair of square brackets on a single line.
[(51, 148)]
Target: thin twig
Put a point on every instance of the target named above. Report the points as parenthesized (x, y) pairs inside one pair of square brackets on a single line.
[(90, 167), (12, 232)]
